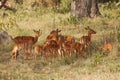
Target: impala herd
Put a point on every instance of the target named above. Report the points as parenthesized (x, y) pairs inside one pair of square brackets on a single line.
[(55, 45)]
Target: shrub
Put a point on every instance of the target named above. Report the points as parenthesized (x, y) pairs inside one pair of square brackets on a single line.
[(97, 59), (64, 6)]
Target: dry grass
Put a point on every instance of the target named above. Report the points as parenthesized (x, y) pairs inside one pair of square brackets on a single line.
[(96, 67)]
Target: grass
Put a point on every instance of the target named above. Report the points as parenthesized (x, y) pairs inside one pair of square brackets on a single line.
[(96, 67)]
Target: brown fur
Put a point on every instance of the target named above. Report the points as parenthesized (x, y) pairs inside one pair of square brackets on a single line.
[(106, 47), (70, 38), (28, 41), (78, 47), (69, 47), (51, 48), (14, 51), (85, 40), (38, 49)]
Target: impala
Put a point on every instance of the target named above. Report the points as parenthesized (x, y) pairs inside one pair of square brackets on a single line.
[(70, 47), (27, 41), (67, 48), (51, 48), (38, 49), (53, 35), (86, 40), (106, 47), (70, 38), (78, 48)]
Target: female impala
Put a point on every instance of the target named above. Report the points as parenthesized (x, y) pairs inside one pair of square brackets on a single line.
[(27, 41), (85, 40), (53, 35)]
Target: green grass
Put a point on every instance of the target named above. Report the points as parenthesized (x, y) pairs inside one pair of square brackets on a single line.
[(99, 67)]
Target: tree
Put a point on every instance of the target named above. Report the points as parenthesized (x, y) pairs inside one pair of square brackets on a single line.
[(85, 8), (103, 1), (6, 4)]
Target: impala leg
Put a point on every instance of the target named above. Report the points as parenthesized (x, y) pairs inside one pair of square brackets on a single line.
[(85, 49), (24, 50), (63, 53), (31, 50), (89, 51), (77, 52), (35, 55), (69, 54), (59, 54), (80, 52)]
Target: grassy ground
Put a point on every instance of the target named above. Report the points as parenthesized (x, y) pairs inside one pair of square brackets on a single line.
[(96, 67)]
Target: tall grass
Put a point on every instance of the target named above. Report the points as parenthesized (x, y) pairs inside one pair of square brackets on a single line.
[(27, 18)]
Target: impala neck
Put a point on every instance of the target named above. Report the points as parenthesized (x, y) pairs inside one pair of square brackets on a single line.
[(89, 35), (35, 39)]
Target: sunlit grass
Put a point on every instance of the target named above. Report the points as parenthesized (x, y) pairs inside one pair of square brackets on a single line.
[(91, 68)]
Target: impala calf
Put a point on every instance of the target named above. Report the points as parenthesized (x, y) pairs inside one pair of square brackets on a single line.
[(38, 49), (106, 47), (86, 40)]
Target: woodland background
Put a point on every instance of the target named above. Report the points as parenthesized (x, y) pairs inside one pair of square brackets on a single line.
[(47, 15)]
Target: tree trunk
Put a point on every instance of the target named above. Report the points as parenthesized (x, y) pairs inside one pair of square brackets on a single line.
[(85, 8), (94, 9)]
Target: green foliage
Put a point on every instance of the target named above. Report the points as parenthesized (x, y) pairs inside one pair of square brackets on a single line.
[(73, 20), (19, 1), (64, 6), (7, 24), (69, 20), (30, 16), (114, 66), (96, 59)]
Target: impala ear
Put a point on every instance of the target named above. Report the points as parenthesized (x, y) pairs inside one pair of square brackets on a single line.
[(39, 30), (87, 28), (57, 30), (34, 30)]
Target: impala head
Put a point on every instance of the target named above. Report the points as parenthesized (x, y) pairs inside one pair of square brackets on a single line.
[(37, 33), (90, 31), (56, 31)]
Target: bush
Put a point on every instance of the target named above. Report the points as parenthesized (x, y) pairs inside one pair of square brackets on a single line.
[(97, 59), (64, 6), (6, 25)]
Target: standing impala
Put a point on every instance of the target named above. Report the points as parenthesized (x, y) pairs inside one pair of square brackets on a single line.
[(85, 40), (27, 41)]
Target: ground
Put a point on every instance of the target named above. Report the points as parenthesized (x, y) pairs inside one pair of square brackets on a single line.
[(96, 67)]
